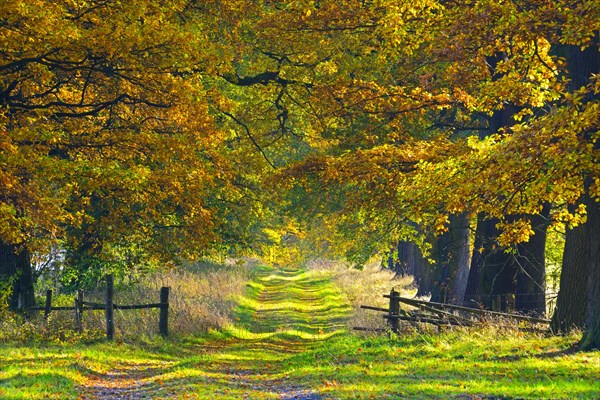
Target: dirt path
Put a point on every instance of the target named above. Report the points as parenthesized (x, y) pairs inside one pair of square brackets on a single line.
[(293, 311), (285, 313), (131, 381)]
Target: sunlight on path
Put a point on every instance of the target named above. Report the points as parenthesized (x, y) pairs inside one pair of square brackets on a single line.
[(288, 342), (291, 305), (130, 381), (285, 312)]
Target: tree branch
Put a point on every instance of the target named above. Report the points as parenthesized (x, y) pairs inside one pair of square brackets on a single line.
[(243, 125)]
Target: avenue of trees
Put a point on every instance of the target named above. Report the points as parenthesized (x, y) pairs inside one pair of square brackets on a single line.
[(450, 136)]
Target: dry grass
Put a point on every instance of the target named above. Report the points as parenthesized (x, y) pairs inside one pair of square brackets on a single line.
[(365, 287), (202, 297)]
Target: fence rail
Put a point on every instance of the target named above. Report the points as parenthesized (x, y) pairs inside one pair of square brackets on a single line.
[(439, 314), (80, 305)]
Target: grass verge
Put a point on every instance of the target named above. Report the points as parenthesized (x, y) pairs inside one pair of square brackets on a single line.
[(202, 297), (457, 365), (288, 339)]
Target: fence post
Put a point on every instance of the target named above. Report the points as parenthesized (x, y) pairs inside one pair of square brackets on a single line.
[(496, 303), (48, 305), (109, 307), (394, 310), (163, 322), (511, 303), (79, 311)]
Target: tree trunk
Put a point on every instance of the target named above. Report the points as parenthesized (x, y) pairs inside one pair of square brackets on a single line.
[(498, 272), (437, 273), (472, 297), (451, 254), (391, 264), (405, 264), (15, 269), (579, 292), (571, 303), (492, 270), (495, 272), (410, 262), (530, 263), (591, 336), (421, 270), (582, 65), (460, 231), (446, 278)]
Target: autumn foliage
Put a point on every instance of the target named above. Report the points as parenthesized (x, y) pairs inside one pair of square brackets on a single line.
[(135, 131)]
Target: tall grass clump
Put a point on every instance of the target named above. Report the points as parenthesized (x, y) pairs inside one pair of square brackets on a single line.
[(202, 297), (365, 286), (33, 327)]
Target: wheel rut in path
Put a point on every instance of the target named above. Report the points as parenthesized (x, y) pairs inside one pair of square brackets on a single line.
[(131, 381), (285, 313)]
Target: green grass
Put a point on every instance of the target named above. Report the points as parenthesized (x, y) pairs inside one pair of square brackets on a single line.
[(289, 337), (451, 365)]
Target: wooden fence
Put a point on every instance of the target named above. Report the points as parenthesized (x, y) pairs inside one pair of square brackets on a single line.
[(80, 305), (440, 314)]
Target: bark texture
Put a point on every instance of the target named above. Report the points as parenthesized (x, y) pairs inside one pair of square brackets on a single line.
[(445, 278), (591, 336), (408, 256), (571, 303), (582, 65), (530, 260), (492, 270), (16, 271), (583, 243), (452, 260)]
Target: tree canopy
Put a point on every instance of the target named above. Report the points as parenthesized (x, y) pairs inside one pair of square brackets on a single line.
[(137, 131)]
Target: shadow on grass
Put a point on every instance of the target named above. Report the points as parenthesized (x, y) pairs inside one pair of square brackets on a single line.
[(44, 385), (571, 350), (445, 367), (283, 314), (289, 342)]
